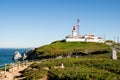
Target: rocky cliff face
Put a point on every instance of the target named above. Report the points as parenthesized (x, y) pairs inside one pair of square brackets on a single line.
[(27, 54), (17, 56)]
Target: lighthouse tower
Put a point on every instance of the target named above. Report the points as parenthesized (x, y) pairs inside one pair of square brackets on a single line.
[(74, 31)]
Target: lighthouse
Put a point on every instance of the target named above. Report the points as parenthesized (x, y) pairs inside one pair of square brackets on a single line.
[(74, 31), (75, 37)]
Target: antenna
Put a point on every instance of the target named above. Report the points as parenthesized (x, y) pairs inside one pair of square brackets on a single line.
[(78, 25), (114, 39), (104, 37), (117, 39)]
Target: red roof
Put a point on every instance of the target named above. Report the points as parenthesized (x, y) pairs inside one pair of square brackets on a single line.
[(74, 28)]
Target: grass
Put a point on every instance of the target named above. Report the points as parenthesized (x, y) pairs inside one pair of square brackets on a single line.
[(96, 65), (92, 67), (64, 49)]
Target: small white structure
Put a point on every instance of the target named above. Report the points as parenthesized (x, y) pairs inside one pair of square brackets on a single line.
[(62, 66), (75, 37), (114, 54)]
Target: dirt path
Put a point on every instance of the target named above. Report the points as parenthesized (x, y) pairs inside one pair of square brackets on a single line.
[(13, 73)]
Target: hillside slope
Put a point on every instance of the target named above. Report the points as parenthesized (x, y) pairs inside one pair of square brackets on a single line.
[(93, 67), (64, 49)]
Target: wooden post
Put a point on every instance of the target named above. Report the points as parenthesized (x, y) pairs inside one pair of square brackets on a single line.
[(5, 68)]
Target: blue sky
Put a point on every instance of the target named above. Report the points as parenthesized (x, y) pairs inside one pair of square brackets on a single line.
[(33, 23)]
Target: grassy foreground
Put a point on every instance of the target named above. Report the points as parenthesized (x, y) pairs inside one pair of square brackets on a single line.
[(91, 67)]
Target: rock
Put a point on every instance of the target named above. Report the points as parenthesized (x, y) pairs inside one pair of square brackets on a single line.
[(17, 55), (26, 54)]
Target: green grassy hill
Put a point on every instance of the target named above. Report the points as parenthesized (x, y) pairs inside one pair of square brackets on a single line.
[(92, 67), (61, 48)]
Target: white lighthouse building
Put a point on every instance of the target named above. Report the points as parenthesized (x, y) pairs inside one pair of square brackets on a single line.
[(75, 37), (74, 31)]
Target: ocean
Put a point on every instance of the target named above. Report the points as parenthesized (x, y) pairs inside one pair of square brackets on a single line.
[(6, 55)]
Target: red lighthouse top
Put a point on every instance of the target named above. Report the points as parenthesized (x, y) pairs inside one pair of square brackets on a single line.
[(74, 28)]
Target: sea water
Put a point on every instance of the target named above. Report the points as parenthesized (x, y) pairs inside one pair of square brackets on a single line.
[(6, 55)]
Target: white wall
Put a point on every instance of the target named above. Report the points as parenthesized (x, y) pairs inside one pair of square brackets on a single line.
[(84, 40), (74, 40)]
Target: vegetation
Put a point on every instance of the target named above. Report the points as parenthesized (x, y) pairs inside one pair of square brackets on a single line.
[(61, 48), (96, 65), (91, 67)]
